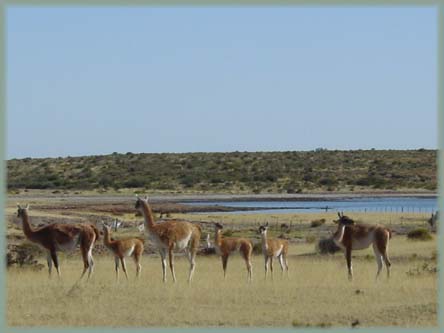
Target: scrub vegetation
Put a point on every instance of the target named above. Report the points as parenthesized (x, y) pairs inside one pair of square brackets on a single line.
[(236, 172)]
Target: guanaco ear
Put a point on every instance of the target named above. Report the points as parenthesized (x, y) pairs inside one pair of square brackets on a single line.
[(146, 198), (27, 206), (266, 224), (18, 206)]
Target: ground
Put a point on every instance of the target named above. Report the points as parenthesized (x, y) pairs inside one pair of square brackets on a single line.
[(316, 292)]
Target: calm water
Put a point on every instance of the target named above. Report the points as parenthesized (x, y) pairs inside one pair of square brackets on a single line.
[(386, 204)]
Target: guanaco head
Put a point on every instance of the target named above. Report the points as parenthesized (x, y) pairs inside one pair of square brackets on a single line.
[(263, 229), (344, 220), (218, 226), (140, 202), (106, 228), (21, 211)]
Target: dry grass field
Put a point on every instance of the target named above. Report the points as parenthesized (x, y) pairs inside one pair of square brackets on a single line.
[(316, 293)]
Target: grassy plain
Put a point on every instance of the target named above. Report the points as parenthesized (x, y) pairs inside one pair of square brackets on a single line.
[(316, 293)]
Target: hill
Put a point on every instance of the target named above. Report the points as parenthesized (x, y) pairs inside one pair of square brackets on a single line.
[(257, 172)]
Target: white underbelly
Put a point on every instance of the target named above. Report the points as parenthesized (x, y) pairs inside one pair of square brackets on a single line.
[(129, 252), (183, 243), (156, 240), (363, 243), (68, 246), (278, 252)]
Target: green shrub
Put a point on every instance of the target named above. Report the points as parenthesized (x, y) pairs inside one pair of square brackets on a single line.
[(419, 234), (425, 268), (329, 170), (317, 223), (327, 246), (228, 233), (257, 248), (310, 239)]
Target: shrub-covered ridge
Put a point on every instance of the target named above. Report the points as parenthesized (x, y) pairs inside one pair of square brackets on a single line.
[(273, 172)]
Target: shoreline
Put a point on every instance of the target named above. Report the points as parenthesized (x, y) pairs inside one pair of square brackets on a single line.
[(217, 197), (297, 197)]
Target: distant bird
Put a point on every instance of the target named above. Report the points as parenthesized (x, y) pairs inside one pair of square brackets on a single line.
[(355, 323)]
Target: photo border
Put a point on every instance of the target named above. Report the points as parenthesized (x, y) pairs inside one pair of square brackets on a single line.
[(439, 4)]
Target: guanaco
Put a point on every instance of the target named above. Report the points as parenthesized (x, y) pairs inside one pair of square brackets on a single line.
[(227, 245), (171, 235), (273, 248), (351, 236), (124, 248), (61, 237)]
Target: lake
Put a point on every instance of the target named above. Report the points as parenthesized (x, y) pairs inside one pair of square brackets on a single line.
[(370, 204)]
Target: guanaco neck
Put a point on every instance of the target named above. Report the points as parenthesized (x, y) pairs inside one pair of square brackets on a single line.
[(148, 215), (264, 240), (27, 229), (339, 234), (218, 237), (106, 238)]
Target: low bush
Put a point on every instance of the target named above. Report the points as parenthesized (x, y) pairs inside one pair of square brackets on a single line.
[(317, 223), (419, 234), (327, 246), (227, 233), (24, 255), (310, 239), (425, 268), (257, 248)]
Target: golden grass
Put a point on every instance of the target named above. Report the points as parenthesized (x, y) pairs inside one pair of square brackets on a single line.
[(316, 293), (386, 218)]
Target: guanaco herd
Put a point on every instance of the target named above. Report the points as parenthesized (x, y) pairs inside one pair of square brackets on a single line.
[(174, 235)]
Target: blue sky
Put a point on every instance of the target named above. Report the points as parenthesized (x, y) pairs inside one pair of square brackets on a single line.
[(86, 81)]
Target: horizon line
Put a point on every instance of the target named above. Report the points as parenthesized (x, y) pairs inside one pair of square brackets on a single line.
[(320, 149)]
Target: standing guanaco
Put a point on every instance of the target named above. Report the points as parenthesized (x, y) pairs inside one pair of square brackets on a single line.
[(273, 248), (227, 245), (171, 235), (350, 236), (61, 237), (123, 248)]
